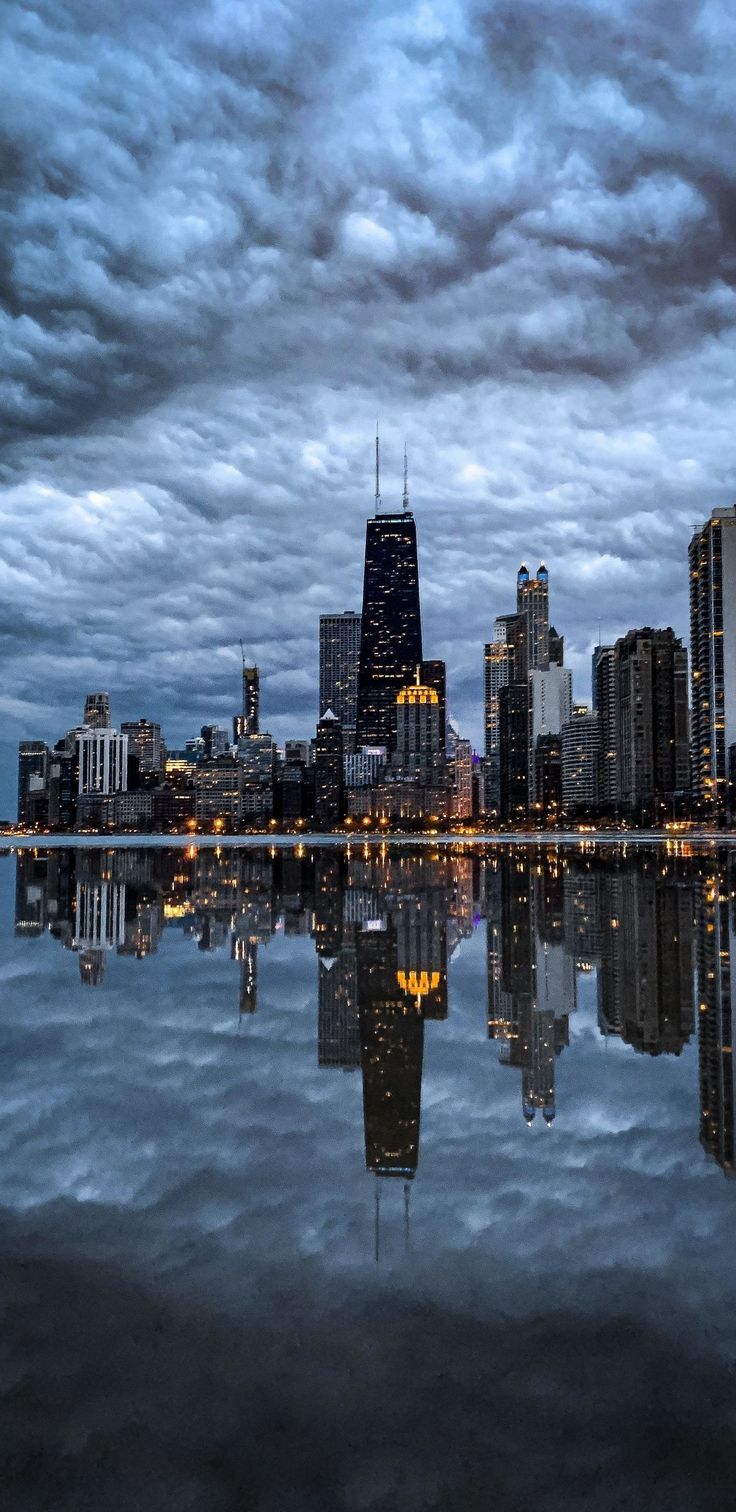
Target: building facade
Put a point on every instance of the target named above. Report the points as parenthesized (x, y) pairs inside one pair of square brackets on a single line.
[(498, 671), (391, 630), (580, 760), (144, 742), (97, 711), (652, 723), (103, 762), (339, 654), (532, 602), (713, 657), (328, 771), (604, 705), (33, 758)]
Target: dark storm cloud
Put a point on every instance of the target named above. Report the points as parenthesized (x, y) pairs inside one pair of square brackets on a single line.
[(233, 234)]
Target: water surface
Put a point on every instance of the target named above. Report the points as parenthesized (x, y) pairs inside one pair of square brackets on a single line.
[(389, 1178)]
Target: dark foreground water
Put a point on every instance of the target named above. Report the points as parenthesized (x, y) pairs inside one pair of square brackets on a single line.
[(381, 1180)]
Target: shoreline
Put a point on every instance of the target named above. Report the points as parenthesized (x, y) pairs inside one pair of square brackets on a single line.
[(313, 840)]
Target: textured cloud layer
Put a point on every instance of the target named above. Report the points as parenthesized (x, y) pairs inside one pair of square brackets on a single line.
[(234, 234)]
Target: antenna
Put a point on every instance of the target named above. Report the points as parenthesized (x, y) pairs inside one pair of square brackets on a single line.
[(406, 480), (377, 1225), (242, 651), (378, 474)]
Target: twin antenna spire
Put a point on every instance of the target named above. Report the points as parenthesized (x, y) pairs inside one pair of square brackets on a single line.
[(405, 496)]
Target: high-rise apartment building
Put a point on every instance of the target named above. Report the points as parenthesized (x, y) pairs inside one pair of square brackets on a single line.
[(216, 741), (144, 741), (391, 628), (652, 717), (418, 736), (339, 654), (97, 711), (256, 759), (433, 674), (498, 671), (103, 762), (580, 753), (550, 707), (328, 770), (604, 705), (514, 744), (713, 656), (33, 758), (532, 601)]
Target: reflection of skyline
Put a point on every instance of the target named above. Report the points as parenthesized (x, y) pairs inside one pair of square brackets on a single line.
[(385, 923), (716, 907)]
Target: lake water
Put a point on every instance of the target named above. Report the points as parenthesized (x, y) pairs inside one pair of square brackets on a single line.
[(390, 1178)]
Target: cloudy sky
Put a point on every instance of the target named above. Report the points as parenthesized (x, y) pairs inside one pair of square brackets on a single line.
[(233, 234)]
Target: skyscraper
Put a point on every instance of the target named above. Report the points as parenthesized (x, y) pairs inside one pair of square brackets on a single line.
[(580, 744), (652, 716), (418, 741), (713, 656), (498, 671), (103, 762), (97, 711), (328, 770), (433, 674), (514, 744), (33, 757), (339, 652), (604, 705), (247, 723), (144, 741), (550, 707), (532, 601), (391, 630)]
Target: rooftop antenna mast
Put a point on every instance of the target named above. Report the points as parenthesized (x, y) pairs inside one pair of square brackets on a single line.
[(406, 480), (378, 474)]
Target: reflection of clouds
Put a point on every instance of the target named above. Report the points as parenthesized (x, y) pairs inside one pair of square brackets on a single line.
[(355, 1393), (188, 1235), (150, 1098)]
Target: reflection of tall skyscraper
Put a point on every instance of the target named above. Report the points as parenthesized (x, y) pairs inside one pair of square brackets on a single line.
[(30, 893), (338, 1033), (99, 923), (391, 631), (392, 1048), (531, 978), (645, 975), (716, 986), (246, 952)]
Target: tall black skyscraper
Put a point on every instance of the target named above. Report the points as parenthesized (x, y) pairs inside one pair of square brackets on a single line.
[(391, 633)]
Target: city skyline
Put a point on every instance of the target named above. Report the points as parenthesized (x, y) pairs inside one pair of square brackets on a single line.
[(539, 303)]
